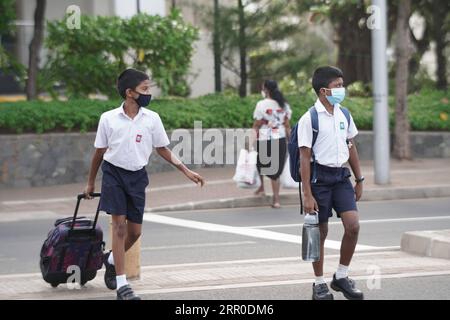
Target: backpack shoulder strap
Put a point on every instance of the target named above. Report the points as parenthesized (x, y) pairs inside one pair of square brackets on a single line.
[(314, 124), (346, 114), (315, 129)]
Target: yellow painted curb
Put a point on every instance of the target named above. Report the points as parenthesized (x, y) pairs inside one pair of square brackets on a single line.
[(12, 98)]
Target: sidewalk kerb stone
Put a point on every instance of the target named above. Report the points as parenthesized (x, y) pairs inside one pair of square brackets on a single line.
[(435, 244), (291, 198)]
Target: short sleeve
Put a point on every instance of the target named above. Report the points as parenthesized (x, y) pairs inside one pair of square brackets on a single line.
[(159, 135), (304, 131), (101, 138), (352, 130), (258, 114)]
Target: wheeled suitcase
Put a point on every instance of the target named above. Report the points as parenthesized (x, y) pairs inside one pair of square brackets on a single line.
[(74, 245)]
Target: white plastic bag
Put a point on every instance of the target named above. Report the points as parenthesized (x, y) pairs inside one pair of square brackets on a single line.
[(286, 180), (246, 175)]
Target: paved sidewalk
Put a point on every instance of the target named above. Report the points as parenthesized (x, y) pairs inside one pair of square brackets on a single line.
[(163, 279), (167, 191)]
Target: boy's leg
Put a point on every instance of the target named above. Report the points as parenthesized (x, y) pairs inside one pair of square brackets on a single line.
[(350, 220), (320, 288), (323, 196), (345, 205), (120, 230), (134, 231), (129, 230), (119, 233), (322, 193)]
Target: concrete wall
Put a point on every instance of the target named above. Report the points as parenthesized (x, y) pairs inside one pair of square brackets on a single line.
[(58, 158)]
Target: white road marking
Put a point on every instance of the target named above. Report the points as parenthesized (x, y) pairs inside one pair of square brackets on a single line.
[(199, 245), (248, 232), (288, 225)]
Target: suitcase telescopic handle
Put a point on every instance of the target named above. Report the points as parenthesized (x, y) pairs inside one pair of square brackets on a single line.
[(83, 196)]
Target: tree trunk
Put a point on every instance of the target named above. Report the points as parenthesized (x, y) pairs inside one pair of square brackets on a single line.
[(217, 50), (242, 50), (439, 36), (35, 48), (174, 4), (354, 46), (402, 148)]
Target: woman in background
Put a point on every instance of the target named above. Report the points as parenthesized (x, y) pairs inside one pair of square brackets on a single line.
[(272, 115)]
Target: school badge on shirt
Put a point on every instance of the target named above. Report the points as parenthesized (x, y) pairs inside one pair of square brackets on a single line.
[(342, 126), (138, 138)]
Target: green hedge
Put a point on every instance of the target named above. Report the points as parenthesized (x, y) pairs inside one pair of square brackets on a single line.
[(428, 110)]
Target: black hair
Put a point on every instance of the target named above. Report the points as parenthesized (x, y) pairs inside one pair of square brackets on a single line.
[(130, 79), (275, 93), (323, 76)]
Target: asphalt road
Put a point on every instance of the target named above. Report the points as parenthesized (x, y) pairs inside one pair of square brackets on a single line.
[(253, 233)]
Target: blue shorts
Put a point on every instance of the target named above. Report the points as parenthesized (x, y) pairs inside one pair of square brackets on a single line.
[(333, 190), (123, 192)]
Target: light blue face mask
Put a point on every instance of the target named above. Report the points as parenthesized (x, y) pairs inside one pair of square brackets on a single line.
[(337, 95)]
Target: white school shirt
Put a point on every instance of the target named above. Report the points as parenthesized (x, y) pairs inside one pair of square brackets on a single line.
[(274, 116), (331, 147), (130, 141)]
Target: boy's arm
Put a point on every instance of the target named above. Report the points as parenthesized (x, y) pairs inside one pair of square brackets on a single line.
[(310, 205), (97, 159), (167, 155), (356, 168)]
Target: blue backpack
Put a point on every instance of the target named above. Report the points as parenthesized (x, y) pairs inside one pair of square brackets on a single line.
[(294, 156)]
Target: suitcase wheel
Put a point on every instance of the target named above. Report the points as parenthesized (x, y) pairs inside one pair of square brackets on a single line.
[(54, 285)]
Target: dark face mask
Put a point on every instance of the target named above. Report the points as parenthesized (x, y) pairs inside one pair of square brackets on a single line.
[(143, 100)]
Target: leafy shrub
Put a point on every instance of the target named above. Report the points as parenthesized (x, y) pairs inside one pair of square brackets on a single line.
[(89, 59), (428, 110)]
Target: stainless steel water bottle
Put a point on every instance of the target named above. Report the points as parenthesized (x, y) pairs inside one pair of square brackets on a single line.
[(311, 238)]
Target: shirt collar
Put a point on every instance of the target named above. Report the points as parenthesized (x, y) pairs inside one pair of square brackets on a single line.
[(142, 111), (321, 108)]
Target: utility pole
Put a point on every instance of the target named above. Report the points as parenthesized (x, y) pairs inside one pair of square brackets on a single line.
[(380, 94), (217, 50)]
